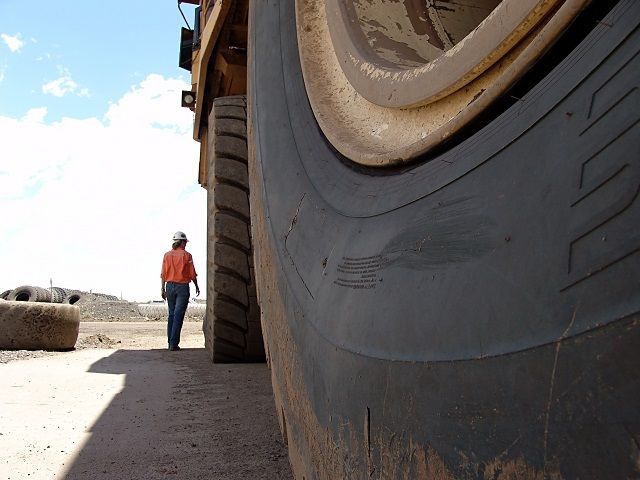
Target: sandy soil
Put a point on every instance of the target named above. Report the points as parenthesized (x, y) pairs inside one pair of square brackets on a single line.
[(121, 406)]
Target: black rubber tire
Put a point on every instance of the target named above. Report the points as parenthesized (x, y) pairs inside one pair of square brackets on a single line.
[(27, 293), (476, 315), (72, 298), (5, 294), (232, 327), (58, 294), (38, 326)]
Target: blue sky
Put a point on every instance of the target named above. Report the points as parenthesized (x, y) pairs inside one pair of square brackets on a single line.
[(104, 47), (97, 164)]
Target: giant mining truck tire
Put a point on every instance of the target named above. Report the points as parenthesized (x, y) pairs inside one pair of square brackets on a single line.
[(232, 327), (469, 309), (38, 326), (27, 293)]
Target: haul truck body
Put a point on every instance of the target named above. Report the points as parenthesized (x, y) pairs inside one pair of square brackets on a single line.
[(438, 204)]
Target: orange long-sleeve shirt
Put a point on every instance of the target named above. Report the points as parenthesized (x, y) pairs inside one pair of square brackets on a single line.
[(177, 266)]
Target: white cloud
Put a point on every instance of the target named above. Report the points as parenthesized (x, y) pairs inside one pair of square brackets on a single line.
[(60, 87), (12, 41), (93, 203), (151, 103), (35, 115), (64, 85)]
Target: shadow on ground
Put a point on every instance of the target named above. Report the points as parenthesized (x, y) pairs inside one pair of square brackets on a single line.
[(179, 416)]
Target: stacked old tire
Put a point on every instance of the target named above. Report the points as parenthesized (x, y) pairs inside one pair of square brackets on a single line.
[(35, 318), (28, 293), (159, 310)]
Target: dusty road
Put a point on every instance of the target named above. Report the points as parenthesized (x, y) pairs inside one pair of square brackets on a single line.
[(134, 410)]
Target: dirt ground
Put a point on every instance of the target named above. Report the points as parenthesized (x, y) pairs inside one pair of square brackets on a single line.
[(121, 406)]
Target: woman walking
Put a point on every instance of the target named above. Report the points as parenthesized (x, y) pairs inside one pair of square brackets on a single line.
[(177, 272)]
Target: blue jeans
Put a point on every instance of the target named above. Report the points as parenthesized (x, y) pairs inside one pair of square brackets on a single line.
[(177, 300)]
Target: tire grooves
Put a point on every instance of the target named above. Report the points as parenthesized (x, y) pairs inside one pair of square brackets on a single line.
[(231, 117), (239, 111), (231, 156), (234, 135), (224, 345), (232, 273), (235, 214), (238, 100), (235, 333), (233, 325), (232, 199), (231, 127), (231, 228), (231, 287), (231, 300), (230, 334), (240, 161), (223, 240), (233, 184), (231, 313)]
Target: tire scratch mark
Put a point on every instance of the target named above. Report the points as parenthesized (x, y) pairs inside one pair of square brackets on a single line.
[(294, 220), (551, 385)]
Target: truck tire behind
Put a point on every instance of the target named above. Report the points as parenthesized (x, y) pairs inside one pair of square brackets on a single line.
[(232, 331)]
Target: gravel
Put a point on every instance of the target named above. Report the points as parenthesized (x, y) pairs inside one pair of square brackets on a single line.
[(95, 308)]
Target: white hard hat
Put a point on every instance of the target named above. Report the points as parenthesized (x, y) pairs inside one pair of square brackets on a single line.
[(180, 236)]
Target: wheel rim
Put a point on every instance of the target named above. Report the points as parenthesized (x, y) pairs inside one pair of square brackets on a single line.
[(383, 97)]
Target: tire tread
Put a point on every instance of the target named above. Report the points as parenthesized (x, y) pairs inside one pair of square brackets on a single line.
[(232, 333)]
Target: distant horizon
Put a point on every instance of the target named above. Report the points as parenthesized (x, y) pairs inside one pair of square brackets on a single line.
[(192, 298)]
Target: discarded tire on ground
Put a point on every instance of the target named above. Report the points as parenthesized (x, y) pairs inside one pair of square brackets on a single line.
[(107, 297), (72, 298), (154, 311), (5, 294), (58, 294), (27, 293), (232, 331), (160, 311), (38, 326), (476, 315)]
